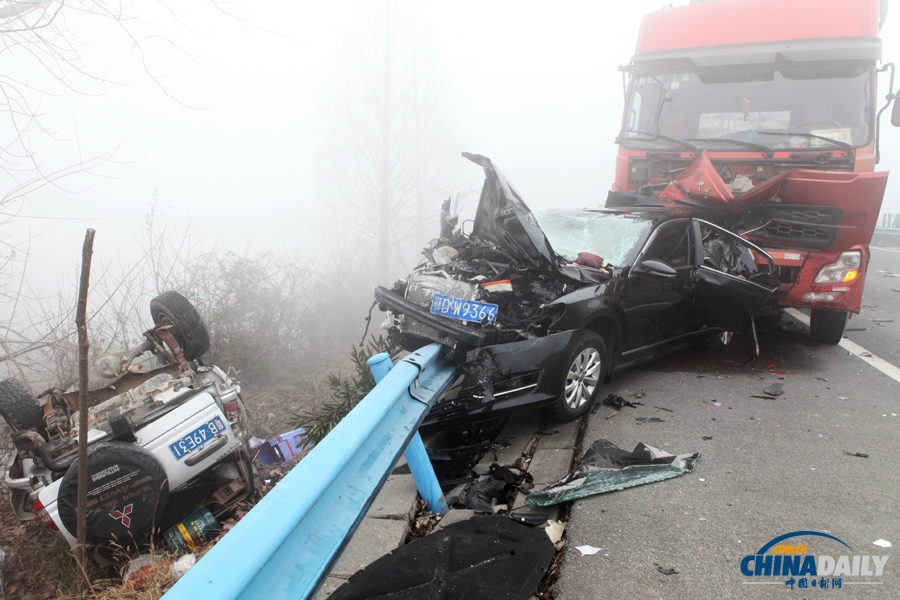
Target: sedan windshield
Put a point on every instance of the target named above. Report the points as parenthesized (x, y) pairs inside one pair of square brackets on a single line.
[(789, 105), (613, 237)]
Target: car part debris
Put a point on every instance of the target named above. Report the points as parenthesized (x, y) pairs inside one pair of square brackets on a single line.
[(882, 543), (588, 550), (554, 530), (650, 420), (498, 485), (665, 409), (774, 389), (706, 438), (859, 454), (667, 571), (618, 402), (491, 558), (606, 468)]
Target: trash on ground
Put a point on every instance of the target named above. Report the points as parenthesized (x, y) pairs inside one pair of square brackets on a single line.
[(641, 394), (183, 565), (606, 468), (199, 528), (882, 543), (619, 402), (650, 420), (144, 569), (774, 389), (665, 409), (282, 448), (717, 404), (707, 437), (554, 530), (504, 560), (859, 454), (667, 571), (588, 550)]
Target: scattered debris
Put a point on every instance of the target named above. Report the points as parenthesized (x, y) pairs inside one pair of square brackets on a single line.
[(588, 550), (764, 397), (717, 404), (706, 438), (640, 394), (145, 569), (882, 320), (866, 354), (665, 409), (822, 378), (554, 530), (183, 565), (619, 402), (851, 329), (774, 389), (508, 561), (606, 468), (492, 490), (882, 543), (650, 420), (859, 454), (667, 571)]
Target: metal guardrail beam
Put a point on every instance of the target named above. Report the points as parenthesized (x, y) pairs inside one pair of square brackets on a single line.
[(887, 230), (288, 543)]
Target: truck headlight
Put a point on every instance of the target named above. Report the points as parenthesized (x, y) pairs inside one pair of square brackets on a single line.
[(844, 270)]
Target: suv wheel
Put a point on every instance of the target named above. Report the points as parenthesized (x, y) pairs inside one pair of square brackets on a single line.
[(585, 369), (171, 308), (127, 493), (19, 407), (827, 326)]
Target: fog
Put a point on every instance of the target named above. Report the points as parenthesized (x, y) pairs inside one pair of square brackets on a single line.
[(218, 119)]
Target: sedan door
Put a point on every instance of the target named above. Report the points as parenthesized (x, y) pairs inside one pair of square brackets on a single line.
[(735, 280)]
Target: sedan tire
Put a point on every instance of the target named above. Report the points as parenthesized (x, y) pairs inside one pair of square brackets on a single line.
[(585, 370)]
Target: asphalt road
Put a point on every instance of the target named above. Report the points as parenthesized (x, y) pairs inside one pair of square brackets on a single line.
[(772, 466)]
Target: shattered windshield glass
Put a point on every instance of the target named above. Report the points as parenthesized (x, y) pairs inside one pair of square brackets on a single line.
[(616, 238), (780, 106)]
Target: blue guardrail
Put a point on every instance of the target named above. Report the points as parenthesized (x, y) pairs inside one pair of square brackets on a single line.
[(287, 544)]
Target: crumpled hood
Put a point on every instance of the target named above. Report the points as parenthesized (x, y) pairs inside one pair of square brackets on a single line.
[(503, 218)]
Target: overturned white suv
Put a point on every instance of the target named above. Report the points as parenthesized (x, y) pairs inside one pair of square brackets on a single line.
[(167, 434)]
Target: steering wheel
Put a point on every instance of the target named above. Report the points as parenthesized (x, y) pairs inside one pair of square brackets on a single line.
[(820, 122)]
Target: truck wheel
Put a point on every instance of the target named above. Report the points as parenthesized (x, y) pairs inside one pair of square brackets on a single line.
[(827, 326), (127, 493), (585, 370), (171, 308), (20, 408)]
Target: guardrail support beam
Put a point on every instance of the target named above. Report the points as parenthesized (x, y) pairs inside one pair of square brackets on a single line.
[(416, 455)]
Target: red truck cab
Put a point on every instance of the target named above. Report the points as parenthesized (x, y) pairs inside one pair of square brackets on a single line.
[(766, 111)]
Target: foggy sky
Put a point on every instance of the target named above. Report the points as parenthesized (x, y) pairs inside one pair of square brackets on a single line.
[(537, 91)]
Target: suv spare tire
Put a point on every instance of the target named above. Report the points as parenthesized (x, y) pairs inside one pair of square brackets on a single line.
[(171, 308), (127, 493), (19, 407)]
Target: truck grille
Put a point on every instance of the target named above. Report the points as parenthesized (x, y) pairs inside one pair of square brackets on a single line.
[(792, 223)]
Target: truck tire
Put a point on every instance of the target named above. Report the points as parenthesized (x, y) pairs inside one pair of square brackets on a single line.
[(827, 326), (19, 408), (585, 366), (127, 493), (171, 308)]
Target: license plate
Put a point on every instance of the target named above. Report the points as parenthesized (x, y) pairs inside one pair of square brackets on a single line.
[(197, 438), (464, 310)]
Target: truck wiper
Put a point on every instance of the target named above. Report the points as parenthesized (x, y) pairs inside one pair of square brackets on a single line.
[(760, 147), (658, 136), (811, 136)]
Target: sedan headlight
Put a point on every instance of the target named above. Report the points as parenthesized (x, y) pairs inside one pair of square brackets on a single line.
[(844, 270)]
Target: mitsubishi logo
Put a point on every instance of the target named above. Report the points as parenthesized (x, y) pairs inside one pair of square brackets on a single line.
[(123, 515)]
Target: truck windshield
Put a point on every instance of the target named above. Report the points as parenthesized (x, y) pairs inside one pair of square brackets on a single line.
[(718, 108)]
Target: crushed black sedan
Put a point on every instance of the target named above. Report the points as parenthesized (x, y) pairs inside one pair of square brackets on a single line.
[(542, 309)]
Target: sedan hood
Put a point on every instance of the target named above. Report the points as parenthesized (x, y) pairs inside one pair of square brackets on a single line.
[(503, 218)]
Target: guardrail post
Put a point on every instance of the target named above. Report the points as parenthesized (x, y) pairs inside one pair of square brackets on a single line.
[(416, 455)]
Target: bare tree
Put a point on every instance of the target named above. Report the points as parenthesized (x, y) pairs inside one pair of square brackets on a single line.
[(389, 122)]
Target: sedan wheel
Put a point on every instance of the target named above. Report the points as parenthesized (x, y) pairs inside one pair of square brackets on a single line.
[(583, 378), (585, 371)]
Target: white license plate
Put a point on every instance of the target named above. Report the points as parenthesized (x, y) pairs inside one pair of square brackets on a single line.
[(206, 432)]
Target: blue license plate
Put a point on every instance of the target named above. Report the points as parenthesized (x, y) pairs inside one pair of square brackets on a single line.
[(197, 438), (464, 310)]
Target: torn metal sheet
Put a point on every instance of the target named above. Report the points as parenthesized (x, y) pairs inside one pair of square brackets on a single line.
[(607, 468)]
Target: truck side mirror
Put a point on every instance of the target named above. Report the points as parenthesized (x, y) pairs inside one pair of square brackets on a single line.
[(895, 113)]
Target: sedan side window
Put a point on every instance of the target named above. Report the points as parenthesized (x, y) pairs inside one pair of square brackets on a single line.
[(671, 245)]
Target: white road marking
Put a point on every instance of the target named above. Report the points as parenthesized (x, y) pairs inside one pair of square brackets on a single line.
[(855, 349), (885, 249)]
